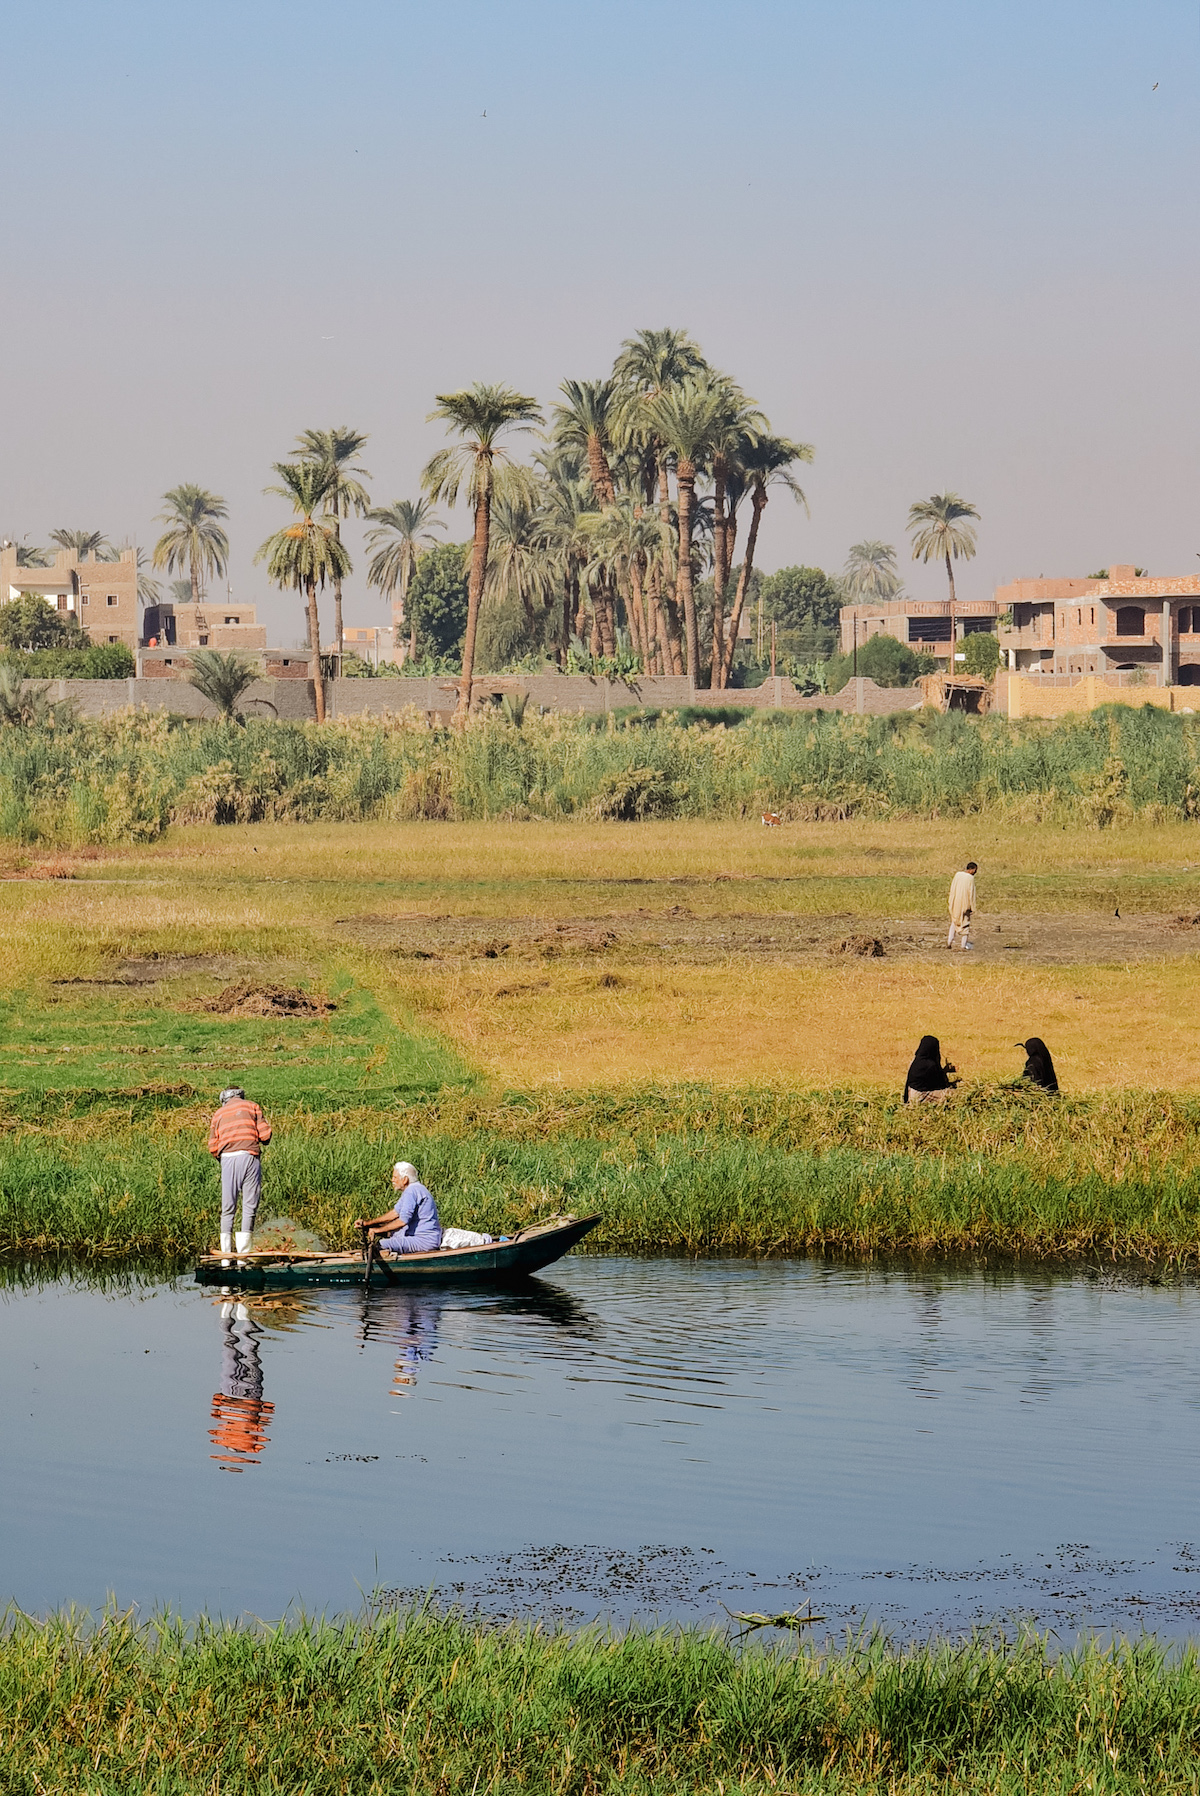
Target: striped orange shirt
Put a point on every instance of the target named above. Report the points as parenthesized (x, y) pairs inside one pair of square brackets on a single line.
[(238, 1128)]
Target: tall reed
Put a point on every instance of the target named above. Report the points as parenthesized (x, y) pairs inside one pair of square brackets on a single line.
[(124, 779)]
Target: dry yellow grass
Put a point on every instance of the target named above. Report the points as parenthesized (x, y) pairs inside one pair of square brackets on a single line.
[(277, 890), (851, 1024)]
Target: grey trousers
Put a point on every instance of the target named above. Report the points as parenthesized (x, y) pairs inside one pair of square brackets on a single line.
[(241, 1176)]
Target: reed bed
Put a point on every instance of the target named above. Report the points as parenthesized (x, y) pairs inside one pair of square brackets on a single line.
[(428, 1702), (691, 1171), (124, 779)]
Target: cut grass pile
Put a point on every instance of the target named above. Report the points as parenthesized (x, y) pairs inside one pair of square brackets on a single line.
[(125, 779), (434, 1703), (670, 1170)]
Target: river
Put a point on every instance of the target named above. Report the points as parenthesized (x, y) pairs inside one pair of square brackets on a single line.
[(924, 1448)]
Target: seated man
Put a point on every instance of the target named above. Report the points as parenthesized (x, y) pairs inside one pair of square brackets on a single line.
[(420, 1228)]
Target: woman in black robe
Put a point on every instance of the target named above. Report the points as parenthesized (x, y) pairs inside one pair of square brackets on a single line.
[(927, 1076), (1039, 1068)]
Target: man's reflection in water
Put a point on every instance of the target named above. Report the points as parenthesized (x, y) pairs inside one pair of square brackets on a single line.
[(238, 1409)]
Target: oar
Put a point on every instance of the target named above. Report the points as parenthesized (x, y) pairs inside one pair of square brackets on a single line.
[(375, 1258)]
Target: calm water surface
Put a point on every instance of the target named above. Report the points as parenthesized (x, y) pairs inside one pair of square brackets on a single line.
[(928, 1448)]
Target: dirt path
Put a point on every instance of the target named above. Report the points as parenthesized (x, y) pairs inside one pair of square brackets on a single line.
[(677, 935)]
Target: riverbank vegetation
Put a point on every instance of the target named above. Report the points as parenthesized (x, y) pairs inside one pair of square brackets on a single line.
[(425, 1702), (1110, 1183), (126, 779)]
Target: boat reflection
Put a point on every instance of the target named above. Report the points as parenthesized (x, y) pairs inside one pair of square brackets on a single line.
[(408, 1318), (241, 1413)]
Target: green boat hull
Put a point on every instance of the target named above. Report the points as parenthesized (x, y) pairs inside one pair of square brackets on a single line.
[(526, 1253)]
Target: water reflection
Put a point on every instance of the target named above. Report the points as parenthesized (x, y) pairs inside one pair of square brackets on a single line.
[(241, 1413)]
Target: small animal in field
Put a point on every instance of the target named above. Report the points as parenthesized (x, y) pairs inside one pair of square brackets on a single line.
[(771, 820)]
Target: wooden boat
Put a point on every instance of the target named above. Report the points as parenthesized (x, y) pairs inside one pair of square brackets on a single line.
[(273, 1269)]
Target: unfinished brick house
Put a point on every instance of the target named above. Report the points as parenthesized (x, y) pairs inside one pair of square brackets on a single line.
[(1124, 623)]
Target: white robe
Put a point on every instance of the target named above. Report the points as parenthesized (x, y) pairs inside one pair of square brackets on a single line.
[(962, 898)]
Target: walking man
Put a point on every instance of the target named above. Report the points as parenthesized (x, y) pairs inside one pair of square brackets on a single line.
[(962, 903), (236, 1137)]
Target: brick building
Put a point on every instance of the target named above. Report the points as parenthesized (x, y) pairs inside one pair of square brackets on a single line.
[(224, 626), (922, 624), (103, 595), (1124, 623)]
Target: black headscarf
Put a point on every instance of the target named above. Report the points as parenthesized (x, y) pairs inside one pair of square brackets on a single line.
[(926, 1072), (1039, 1068)]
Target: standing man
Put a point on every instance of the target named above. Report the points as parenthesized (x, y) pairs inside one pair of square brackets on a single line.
[(237, 1135), (962, 903)]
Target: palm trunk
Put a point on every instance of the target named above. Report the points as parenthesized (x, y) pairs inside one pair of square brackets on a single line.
[(337, 620), (720, 571), (685, 589), (953, 616), (479, 555), (758, 504), (637, 609), (314, 643), (195, 573), (599, 472)]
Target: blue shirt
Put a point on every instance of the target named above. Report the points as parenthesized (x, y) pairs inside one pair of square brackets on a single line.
[(417, 1211)]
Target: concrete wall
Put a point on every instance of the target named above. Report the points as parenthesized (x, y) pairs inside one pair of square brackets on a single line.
[(1059, 697), (292, 699)]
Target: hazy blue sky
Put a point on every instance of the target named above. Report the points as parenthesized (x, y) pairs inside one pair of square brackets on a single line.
[(948, 244)]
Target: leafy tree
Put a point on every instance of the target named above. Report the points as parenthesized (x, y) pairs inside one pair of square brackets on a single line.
[(981, 654), (306, 553), (30, 623), (585, 423), (338, 450), (24, 705), (518, 588), (82, 542), (871, 573), (28, 554), (193, 538), (940, 532), (221, 678), (479, 415), (883, 659), (404, 530), (439, 598)]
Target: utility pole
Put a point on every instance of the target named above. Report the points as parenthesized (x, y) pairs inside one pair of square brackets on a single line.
[(772, 648), (854, 627)]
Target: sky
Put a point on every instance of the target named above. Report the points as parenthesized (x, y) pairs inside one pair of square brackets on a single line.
[(949, 245)]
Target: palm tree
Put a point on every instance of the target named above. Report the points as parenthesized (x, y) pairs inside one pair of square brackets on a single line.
[(83, 542), (193, 539), (149, 590), (871, 573), (306, 553), (649, 365), (938, 532), (518, 566), (338, 449), (585, 423), (29, 555), (768, 462), (738, 428), (404, 530), (688, 420), (627, 540), (478, 415), (221, 678)]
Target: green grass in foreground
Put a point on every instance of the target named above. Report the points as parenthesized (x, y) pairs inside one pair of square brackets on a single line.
[(428, 1703), (1001, 1172)]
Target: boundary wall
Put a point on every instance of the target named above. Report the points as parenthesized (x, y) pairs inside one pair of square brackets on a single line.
[(1061, 696), (293, 699)]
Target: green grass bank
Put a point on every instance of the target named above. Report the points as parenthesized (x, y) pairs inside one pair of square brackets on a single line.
[(690, 1170), (430, 1703)]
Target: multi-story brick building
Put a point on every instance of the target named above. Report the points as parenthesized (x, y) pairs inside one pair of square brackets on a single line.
[(103, 595), (226, 625), (923, 624), (1124, 622)]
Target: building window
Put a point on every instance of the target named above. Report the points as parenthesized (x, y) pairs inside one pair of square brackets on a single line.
[(978, 626), (233, 620), (1131, 621), (114, 639), (204, 642), (1185, 620), (62, 602), (111, 599), (929, 629), (167, 661), (85, 600), (1093, 611)]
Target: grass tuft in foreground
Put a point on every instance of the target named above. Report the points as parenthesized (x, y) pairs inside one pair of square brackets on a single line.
[(433, 1703)]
